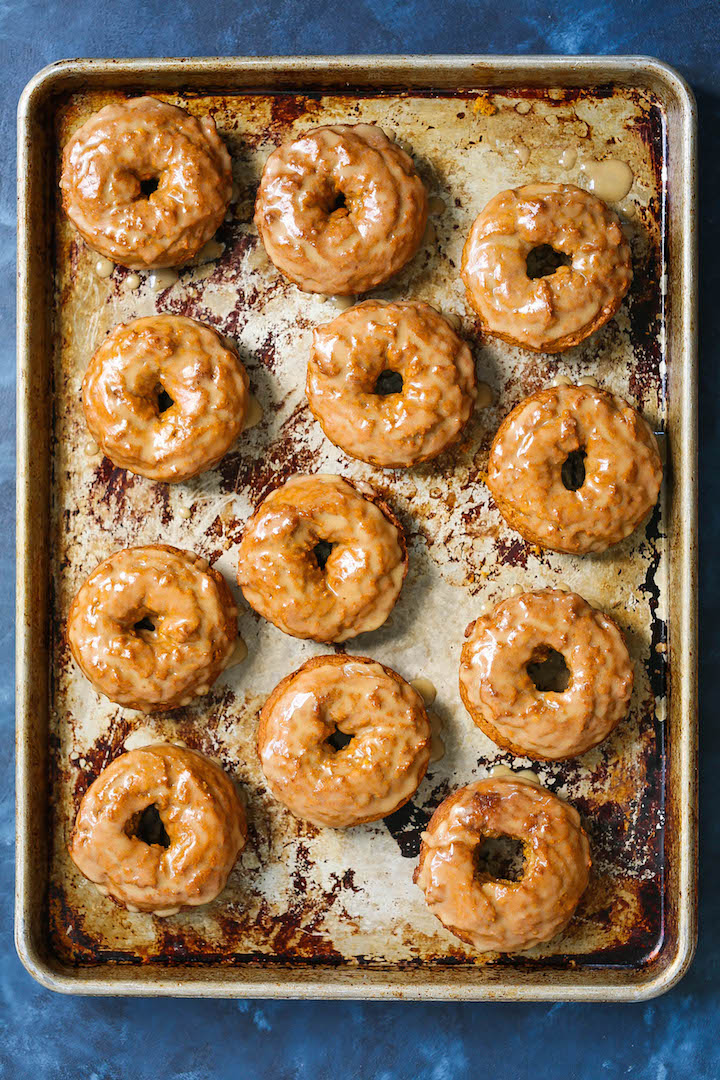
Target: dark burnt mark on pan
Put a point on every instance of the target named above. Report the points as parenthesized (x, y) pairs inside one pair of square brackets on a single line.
[(643, 926), (288, 455), (76, 247), (648, 123), (512, 551), (606, 824), (565, 95), (628, 915), (407, 824), (475, 521), (657, 659), (645, 301), (113, 484), (100, 754), (303, 867), (296, 931), (287, 109), (645, 313), (347, 94), (615, 827), (161, 498), (226, 533), (70, 941)]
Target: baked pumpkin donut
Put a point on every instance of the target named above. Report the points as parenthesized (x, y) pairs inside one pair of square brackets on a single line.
[(492, 914), (153, 627), (145, 183), (547, 312), (350, 387), (343, 741), (159, 830), (506, 661), (323, 559), (574, 469), (340, 209), (165, 397)]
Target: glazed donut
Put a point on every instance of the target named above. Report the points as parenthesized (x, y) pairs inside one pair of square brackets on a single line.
[(574, 469), (152, 627), (180, 861), (556, 311), (165, 397), (145, 183), (498, 690), (322, 560), (341, 209), (393, 427), (343, 741), (493, 914)]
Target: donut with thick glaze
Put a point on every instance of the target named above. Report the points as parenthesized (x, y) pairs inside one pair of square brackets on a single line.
[(180, 861), (497, 915), (145, 183), (322, 558), (392, 428), (153, 627), (343, 740), (548, 312), (340, 209), (519, 635), (574, 469), (165, 397)]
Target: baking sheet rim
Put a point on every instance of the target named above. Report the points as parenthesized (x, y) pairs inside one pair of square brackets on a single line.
[(30, 796)]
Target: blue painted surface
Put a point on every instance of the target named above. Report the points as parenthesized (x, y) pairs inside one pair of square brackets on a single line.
[(44, 1035)]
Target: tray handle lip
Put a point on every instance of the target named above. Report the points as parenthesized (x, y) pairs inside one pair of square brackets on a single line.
[(48, 79), (64, 979)]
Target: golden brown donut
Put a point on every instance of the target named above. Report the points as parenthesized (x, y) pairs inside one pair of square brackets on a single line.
[(340, 209), (380, 744), (165, 397), (491, 914), (145, 183), (501, 653), (390, 427), (153, 627), (562, 436), (322, 559), (201, 816), (556, 311)]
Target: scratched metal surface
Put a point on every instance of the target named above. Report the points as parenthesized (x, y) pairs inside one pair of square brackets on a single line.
[(300, 895)]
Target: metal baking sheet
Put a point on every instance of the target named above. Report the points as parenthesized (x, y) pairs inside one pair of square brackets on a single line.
[(323, 913)]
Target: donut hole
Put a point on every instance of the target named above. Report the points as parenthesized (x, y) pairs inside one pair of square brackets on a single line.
[(388, 382), (572, 472), (147, 826), (164, 401), (145, 623), (548, 671), (545, 260), (148, 186), (500, 858), (322, 551), (338, 202), (338, 740)]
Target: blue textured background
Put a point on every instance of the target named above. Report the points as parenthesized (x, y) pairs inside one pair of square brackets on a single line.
[(48, 1036)]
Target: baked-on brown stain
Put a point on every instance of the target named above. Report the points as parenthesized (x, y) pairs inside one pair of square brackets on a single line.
[(325, 904)]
